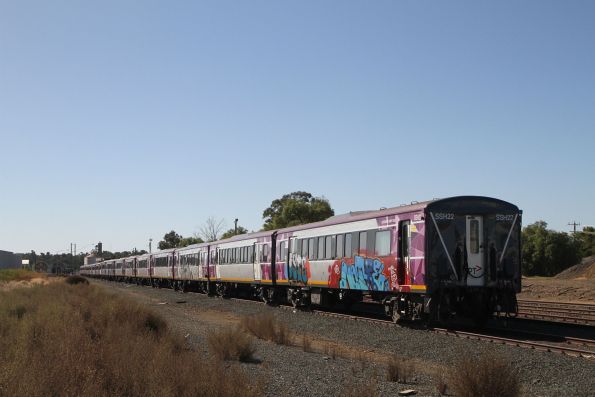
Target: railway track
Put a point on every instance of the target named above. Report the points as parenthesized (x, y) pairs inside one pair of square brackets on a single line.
[(572, 313), (575, 347)]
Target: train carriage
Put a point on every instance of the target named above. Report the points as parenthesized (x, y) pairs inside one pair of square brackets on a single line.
[(191, 266), (434, 259), (161, 267), (142, 269), (129, 268)]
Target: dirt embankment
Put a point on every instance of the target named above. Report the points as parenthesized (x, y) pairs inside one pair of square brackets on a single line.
[(555, 289), (583, 271), (575, 284)]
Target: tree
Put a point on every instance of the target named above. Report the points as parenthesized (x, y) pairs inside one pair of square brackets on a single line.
[(186, 241), (296, 208), (233, 232), (211, 230), (587, 241), (170, 240), (547, 252)]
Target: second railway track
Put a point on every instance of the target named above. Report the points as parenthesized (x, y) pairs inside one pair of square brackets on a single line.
[(572, 313)]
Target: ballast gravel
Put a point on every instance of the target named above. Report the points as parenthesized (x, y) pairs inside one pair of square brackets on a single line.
[(361, 349)]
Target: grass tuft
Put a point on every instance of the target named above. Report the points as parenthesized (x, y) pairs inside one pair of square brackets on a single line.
[(73, 280), (265, 326), (307, 344), (487, 376), (440, 383), (231, 344), (399, 369)]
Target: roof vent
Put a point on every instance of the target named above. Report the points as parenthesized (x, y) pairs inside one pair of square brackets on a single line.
[(414, 202)]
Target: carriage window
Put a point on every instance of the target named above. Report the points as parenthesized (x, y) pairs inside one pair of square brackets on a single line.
[(348, 247), (382, 243), (404, 239), (328, 254), (311, 249), (304, 248), (320, 248), (363, 239), (339, 246), (282, 252), (265, 253), (474, 236)]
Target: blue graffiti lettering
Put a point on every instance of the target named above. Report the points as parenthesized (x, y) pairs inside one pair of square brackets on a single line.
[(364, 274)]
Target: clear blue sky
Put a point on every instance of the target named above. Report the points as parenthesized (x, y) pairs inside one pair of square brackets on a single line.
[(121, 120)]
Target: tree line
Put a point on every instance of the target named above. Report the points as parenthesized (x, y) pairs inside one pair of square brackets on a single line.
[(547, 252), (291, 209)]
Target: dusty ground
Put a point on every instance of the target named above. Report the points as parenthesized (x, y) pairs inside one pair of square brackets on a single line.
[(556, 289)]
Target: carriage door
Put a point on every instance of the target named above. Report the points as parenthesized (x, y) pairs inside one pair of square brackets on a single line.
[(475, 257), (257, 255)]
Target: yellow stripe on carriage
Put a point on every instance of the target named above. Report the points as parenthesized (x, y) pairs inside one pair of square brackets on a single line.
[(249, 280)]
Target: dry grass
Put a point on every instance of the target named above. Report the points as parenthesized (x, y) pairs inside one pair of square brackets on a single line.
[(307, 344), (7, 275), (66, 340), (487, 376), (331, 350), (440, 383), (399, 369), (265, 326), (231, 344)]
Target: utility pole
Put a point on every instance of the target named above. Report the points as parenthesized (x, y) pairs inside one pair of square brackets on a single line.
[(235, 228), (71, 258), (150, 241), (574, 225)]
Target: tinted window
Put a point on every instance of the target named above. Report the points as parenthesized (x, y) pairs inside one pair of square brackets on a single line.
[(339, 246), (363, 239), (474, 236), (282, 253), (311, 249), (328, 254), (348, 247), (382, 243), (305, 248), (320, 247)]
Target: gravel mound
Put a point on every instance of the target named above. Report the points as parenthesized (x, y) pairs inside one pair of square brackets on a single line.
[(585, 269)]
